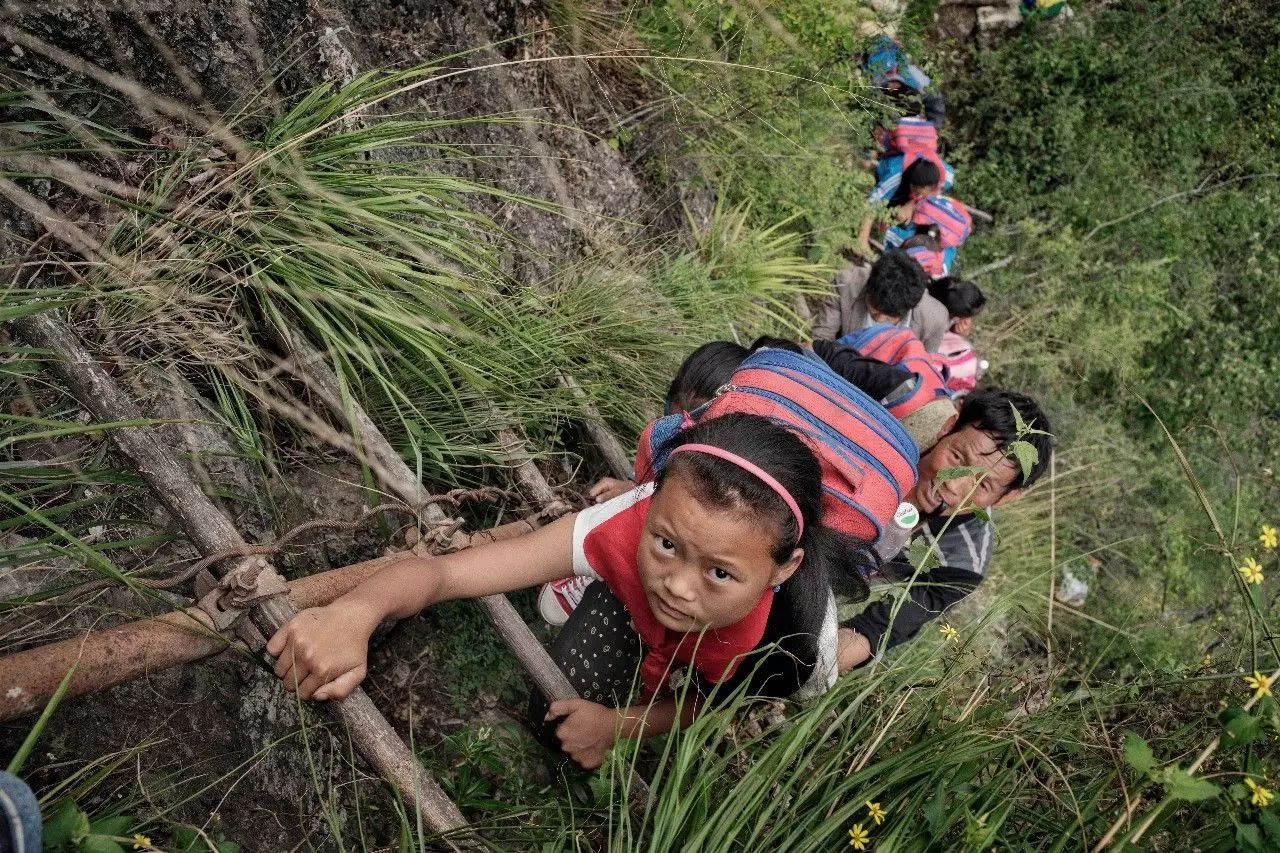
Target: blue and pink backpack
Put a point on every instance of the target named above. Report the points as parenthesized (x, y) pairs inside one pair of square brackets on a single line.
[(868, 460), (914, 138), (912, 134)]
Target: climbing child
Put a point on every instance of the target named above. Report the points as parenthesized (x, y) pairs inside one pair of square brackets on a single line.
[(891, 171), (892, 72), (705, 370), (892, 290), (955, 517), (962, 299), (721, 552), (919, 181), (956, 355)]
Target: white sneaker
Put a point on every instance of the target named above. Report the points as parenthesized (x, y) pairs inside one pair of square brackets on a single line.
[(559, 598)]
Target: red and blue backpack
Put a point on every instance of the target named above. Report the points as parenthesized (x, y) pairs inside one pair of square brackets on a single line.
[(868, 460), (950, 216), (896, 345), (913, 136), (932, 260)]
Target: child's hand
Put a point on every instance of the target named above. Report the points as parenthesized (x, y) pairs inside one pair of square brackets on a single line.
[(323, 652), (853, 650), (609, 488), (587, 731)]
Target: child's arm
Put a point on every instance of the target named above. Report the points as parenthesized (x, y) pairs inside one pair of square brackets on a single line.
[(864, 235), (588, 729), (323, 651)]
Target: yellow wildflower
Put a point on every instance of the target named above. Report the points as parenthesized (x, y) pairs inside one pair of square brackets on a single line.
[(1251, 571), (1259, 684), (1260, 795), (859, 838), (948, 632), (1268, 537), (876, 812), (141, 842)]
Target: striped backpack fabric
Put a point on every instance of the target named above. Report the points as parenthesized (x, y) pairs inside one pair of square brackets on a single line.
[(868, 460), (932, 260), (960, 364), (896, 345), (912, 135), (950, 216)]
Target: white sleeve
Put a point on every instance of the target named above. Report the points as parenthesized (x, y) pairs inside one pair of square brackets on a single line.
[(593, 516), (825, 669)]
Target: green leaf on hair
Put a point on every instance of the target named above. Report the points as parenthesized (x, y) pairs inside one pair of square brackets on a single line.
[(1021, 426), (956, 473), (1026, 454)]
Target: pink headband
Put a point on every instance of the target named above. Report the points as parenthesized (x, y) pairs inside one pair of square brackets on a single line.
[(751, 468)]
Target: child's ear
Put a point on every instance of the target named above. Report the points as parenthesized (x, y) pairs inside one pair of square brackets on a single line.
[(784, 572)]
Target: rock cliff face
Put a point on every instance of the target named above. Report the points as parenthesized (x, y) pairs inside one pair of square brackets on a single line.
[(225, 725), (225, 739), (224, 54)]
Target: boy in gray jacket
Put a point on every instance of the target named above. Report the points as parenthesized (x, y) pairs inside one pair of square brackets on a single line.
[(892, 290)]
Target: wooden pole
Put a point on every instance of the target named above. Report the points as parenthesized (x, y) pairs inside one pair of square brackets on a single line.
[(403, 483), (615, 456), (544, 672), (137, 649), (212, 532)]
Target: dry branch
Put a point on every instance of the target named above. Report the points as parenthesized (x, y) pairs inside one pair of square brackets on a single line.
[(135, 650), (606, 443), (212, 532), (397, 478)]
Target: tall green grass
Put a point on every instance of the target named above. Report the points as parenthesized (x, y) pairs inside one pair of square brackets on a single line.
[(365, 240), (358, 230), (766, 105)]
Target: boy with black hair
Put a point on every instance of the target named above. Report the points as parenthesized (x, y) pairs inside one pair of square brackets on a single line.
[(962, 539), (892, 290)]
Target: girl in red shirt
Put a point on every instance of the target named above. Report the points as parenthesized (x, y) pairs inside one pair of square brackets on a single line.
[(721, 553)]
